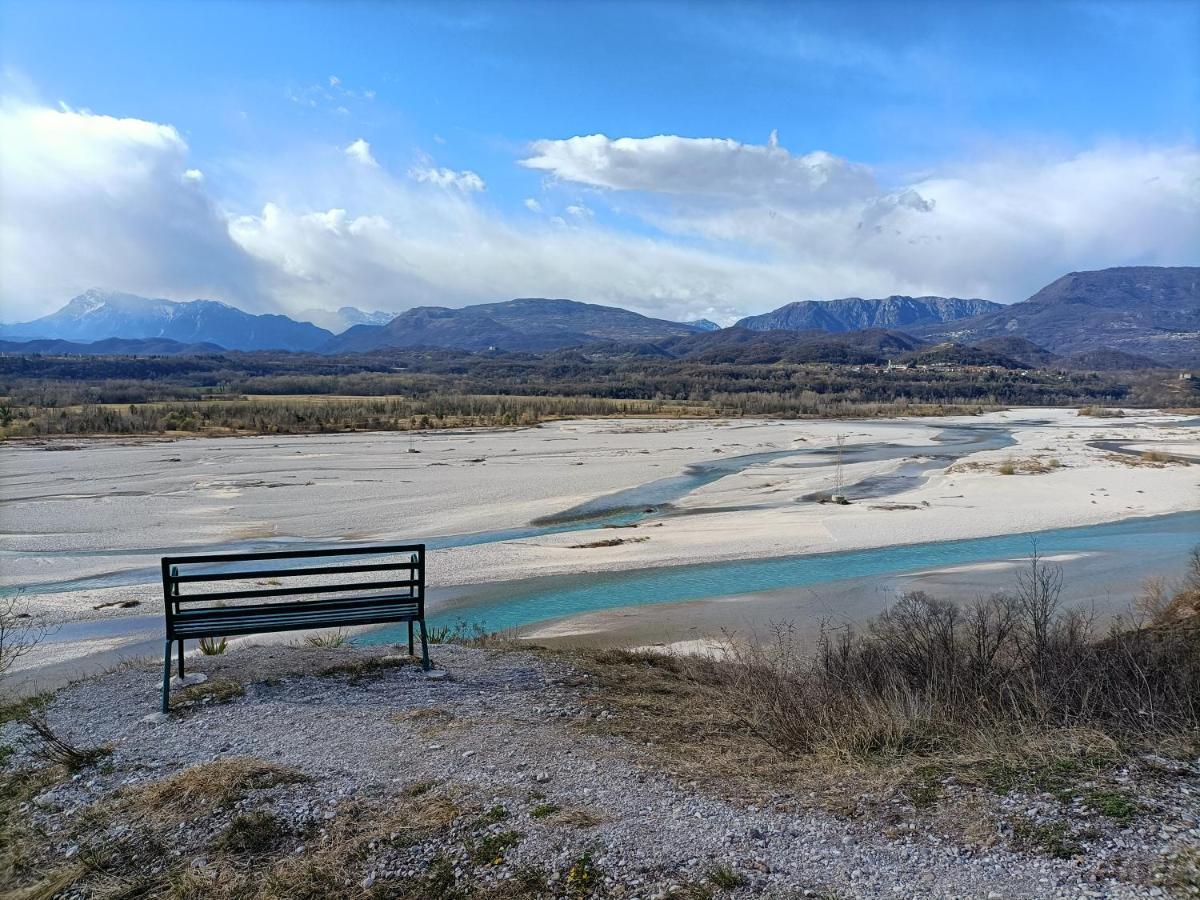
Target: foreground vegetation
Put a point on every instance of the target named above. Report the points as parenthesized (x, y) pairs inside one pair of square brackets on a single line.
[(940, 717), (420, 389)]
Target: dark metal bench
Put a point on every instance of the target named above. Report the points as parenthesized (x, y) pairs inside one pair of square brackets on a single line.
[(386, 590)]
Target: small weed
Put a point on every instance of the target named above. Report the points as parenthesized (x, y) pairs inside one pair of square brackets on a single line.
[(438, 880), (496, 814), (418, 789), (1008, 467), (584, 876), (328, 641), (490, 849), (725, 878), (543, 810), (527, 881), (1052, 838), (925, 788), (692, 890), (213, 646), (252, 832), (1114, 804)]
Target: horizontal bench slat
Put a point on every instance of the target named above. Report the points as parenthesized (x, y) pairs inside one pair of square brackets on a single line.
[(325, 604), (255, 626), (310, 570), (215, 623), (291, 591), (294, 554)]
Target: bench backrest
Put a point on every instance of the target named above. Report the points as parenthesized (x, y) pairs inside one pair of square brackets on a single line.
[(342, 578)]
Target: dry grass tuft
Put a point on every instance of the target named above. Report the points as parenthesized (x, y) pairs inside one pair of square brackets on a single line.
[(575, 817), (220, 783), (608, 542), (252, 833), (215, 690), (357, 665)]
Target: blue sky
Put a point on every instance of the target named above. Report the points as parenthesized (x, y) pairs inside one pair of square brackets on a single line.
[(938, 126)]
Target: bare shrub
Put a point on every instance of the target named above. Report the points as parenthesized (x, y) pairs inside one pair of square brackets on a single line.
[(18, 634), (45, 744), (932, 676)]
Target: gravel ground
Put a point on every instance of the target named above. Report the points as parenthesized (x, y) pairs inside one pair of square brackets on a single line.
[(501, 734)]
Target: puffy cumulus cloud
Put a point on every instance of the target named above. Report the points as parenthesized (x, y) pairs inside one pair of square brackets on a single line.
[(95, 200), (360, 151), (447, 178)]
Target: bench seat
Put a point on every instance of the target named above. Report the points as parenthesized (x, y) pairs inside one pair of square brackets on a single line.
[(230, 621)]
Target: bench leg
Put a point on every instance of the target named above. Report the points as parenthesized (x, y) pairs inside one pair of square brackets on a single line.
[(411, 647), (181, 660), (166, 688), (424, 647)]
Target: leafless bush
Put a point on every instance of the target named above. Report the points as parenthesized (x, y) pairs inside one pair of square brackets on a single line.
[(18, 634), (47, 745), (928, 675)]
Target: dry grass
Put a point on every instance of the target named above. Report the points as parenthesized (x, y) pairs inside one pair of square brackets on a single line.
[(608, 542), (357, 665), (574, 817), (221, 783), (215, 690), (1149, 459), (1009, 466)]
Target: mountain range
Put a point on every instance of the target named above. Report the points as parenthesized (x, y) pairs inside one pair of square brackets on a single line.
[(97, 315), (525, 324), (1145, 311), (857, 314), (344, 317), (1122, 318)]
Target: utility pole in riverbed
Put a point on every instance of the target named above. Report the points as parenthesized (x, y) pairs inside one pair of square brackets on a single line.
[(838, 496)]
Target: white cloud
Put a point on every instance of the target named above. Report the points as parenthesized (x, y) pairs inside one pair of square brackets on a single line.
[(193, 175), (998, 229), (702, 167), (360, 151), (94, 200), (465, 181), (334, 81)]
